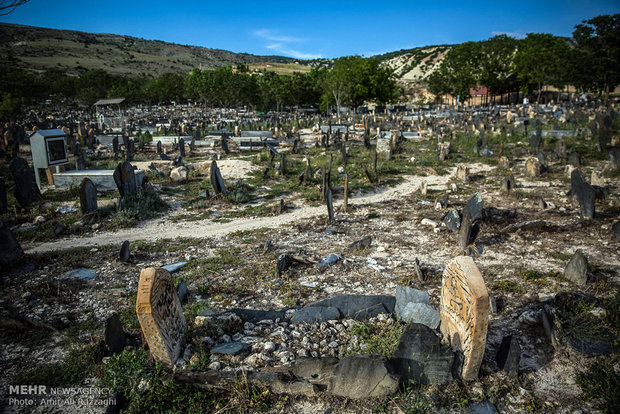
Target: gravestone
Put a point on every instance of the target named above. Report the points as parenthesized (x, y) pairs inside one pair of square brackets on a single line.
[(225, 144), (330, 206), (88, 196), (159, 151), (115, 146), (125, 179), (464, 312), (80, 162), (160, 315), (3, 202), (535, 140), (26, 190), (217, 182), (462, 173), (124, 253), (181, 147), (10, 250), (584, 193)]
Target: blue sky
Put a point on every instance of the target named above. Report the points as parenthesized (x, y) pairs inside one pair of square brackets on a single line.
[(313, 28)]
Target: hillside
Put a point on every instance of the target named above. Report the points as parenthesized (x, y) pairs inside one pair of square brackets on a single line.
[(38, 49), (415, 65)]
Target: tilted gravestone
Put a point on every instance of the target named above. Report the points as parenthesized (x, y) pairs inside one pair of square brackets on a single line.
[(3, 202), (26, 190), (217, 182), (584, 193), (88, 196), (330, 205), (464, 312), (182, 147), (125, 179), (10, 250), (159, 151), (160, 315), (115, 145)]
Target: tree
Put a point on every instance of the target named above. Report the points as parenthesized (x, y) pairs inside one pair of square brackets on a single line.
[(598, 53), (7, 7), (497, 64), (459, 71), (540, 60)]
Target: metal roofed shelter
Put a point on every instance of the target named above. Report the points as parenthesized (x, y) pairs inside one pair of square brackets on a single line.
[(109, 116), (49, 149)]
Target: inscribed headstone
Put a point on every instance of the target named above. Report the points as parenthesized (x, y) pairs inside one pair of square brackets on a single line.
[(26, 190), (160, 315), (464, 312), (88, 196)]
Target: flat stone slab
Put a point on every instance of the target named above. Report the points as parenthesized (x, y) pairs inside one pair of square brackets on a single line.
[(421, 313), (230, 348), (362, 376), (82, 273), (103, 179), (359, 307), (253, 315), (173, 267), (405, 295), (316, 314)]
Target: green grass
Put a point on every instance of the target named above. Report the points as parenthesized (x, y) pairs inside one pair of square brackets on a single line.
[(601, 383), (71, 371), (508, 286), (376, 339)]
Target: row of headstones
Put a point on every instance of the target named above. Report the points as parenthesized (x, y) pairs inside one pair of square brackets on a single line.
[(464, 313)]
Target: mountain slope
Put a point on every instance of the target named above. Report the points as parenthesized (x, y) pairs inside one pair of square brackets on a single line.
[(38, 49)]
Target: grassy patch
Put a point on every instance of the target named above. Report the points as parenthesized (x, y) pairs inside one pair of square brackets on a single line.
[(75, 367), (376, 339), (508, 286), (601, 382)]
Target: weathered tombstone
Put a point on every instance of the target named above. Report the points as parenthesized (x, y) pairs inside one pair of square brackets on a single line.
[(533, 167), (80, 162), (465, 231), (160, 315), (577, 268), (561, 148), (225, 144), (159, 150), (181, 147), (125, 179), (114, 335), (330, 206), (464, 312), (614, 157), (217, 182), (584, 193), (542, 159), (115, 146), (3, 202), (508, 356), (124, 253), (26, 190), (535, 140), (462, 173), (88, 196), (10, 250)]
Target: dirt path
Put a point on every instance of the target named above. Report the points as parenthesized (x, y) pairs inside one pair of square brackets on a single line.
[(161, 229)]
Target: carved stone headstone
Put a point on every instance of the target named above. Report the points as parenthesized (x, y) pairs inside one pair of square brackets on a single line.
[(10, 250), (160, 315), (159, 151), (330, 205), (125, 179), (464, 312), (462, 173), (584, 193), (26, 190), (217, 182), (88, 196), (181, 147)]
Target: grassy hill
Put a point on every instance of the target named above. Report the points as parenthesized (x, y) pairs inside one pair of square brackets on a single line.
[(38, 49)]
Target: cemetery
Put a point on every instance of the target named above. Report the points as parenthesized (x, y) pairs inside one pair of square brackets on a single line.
[(434, 229), (440, 259)]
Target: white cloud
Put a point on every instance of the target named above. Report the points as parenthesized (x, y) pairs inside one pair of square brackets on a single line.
[(280, 44), (516, 35)]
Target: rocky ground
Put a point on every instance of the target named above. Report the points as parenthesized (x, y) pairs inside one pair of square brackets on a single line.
[(52, 319)]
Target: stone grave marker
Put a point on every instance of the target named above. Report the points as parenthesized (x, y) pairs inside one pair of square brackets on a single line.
[(584, 193), (88, 196), (330, 206), (225, 144), (217, 182), (115, 146), (464, 312), (181, 147), (80, 162), (10, 250), (125, 179), (3, 203), (159, 151), (124, 254), (160, 315), (26, 190)]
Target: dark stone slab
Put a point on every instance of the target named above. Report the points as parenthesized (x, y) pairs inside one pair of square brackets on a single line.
[(361, 244), (405, 295), (26, 191), (182, 291), (474, 207), (485, 407), (115, 338), (577, 268), (88, 196), (574, 159), (11, 252), (173, 267), (508, 355), (585, 194), (614, 157), (230, 348), (359, 307), (452, 220), (465, 231), (124, 254), (257, 315), (316, 314), (420, 357), (362, 376), (217, 182), (125, 180), (330, 205)]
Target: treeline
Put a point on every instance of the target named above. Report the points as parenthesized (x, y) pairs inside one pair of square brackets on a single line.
[(351, 81), (590, 62)]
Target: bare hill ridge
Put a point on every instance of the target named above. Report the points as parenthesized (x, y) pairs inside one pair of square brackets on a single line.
[(39, 49)]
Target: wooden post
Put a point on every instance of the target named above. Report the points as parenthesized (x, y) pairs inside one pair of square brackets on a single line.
[(345, 204)]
